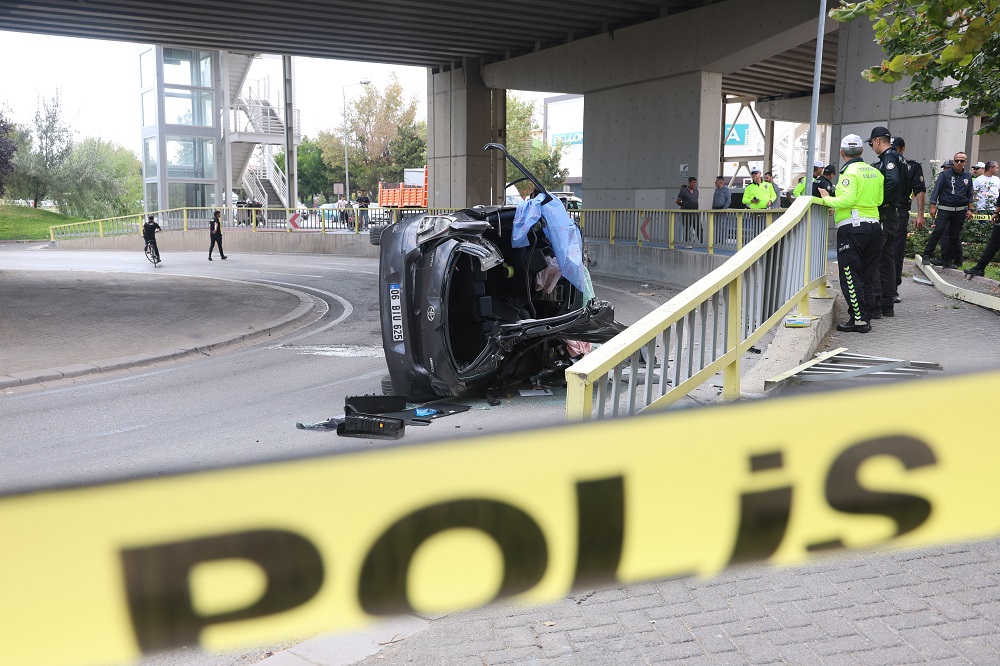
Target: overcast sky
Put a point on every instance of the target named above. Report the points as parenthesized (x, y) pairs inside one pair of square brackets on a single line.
[(98, 84)]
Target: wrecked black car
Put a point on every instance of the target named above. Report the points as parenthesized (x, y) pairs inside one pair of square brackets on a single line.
[(485, 297)]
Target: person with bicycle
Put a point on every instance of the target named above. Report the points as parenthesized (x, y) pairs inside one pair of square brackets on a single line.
[(149, 229)]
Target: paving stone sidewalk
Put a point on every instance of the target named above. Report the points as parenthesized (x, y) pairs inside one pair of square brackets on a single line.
[(935, 605)]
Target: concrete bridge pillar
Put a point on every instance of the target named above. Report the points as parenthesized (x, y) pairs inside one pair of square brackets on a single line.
[(931, 130), (462, 118), (643, 140)]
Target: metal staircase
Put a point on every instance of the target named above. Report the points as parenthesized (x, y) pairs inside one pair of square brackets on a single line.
[(257, 126)]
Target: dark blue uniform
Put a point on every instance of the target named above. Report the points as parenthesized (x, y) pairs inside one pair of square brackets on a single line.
[(894, 171), (952, 195), (915, 187)]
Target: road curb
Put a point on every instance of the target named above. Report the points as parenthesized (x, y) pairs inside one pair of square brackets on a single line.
[(29, 377), (790, 347)]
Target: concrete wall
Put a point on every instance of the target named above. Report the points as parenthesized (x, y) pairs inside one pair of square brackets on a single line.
[(236, 242), (674, 268), (638, 136), (460, 115)]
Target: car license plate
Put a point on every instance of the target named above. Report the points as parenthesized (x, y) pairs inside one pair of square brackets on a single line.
[(396, 312)]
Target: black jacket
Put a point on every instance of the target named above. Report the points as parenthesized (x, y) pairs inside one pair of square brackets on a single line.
[(896, 175), (953, 189), (149, 230)]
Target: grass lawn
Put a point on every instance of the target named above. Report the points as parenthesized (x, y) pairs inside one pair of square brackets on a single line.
[(25, 223)]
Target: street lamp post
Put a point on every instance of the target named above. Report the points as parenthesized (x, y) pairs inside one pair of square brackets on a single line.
[(347, 169)]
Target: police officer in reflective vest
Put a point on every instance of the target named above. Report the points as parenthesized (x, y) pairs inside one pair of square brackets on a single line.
[(859, 234), (892, 165)]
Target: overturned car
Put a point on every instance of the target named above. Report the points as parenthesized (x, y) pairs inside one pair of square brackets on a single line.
[(485, 297)]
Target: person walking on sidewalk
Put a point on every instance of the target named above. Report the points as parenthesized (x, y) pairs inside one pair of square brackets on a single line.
[(894, 173), (859, 234), (951, 206), (215, 233), (992, 246)]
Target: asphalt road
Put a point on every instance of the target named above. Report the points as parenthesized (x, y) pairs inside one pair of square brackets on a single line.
[(235, 406)]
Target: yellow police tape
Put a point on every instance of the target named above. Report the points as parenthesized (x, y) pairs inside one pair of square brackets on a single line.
[(248, 555)]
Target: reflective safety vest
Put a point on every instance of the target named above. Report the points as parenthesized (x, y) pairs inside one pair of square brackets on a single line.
[(763, 192), (859, 193)]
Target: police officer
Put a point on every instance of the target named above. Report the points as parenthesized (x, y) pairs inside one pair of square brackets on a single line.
[(800, 189), (825, 181), (916, 188), (951, 205), (757, 195), (859, 234), (894, 173)]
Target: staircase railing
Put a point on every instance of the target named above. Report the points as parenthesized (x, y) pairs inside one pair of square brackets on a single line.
[(276, 177), (251, 183)]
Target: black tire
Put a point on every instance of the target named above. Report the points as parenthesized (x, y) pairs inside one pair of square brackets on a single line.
[(375, 233), (387, 385)]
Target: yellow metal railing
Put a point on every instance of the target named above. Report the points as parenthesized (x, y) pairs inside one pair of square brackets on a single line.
[(321, 220), (708, 327), (709, 229)]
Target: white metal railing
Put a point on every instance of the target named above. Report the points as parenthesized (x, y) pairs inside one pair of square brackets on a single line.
[(251, 183), (252, 113), (707, 328), (276, 177)]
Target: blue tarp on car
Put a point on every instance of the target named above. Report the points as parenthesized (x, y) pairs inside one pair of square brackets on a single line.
[(563, 234)]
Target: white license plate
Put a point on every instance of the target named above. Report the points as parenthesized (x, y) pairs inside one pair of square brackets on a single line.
[(396, 312)]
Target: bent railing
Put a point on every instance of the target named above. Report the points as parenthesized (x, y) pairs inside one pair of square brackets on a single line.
[(706, 328)]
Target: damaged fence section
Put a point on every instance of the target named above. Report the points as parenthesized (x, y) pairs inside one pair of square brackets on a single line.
[(706, 329)]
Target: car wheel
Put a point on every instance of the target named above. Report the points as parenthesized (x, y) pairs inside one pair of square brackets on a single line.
[(375, 234), (387, 385)]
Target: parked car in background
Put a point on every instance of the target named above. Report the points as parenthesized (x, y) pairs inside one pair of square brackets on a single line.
[(469, 301), (570, 201)]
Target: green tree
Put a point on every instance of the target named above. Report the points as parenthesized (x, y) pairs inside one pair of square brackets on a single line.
[(100, 179), (315, 176), (542, 160), (38, 163), (408, 150), (373, 122), (948, 48), (8, 147)]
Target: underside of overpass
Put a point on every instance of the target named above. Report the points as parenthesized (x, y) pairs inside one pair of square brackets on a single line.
[(642, 64), (438, 34)]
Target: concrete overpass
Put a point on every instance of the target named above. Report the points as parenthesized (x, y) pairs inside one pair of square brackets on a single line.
[(654, 72)]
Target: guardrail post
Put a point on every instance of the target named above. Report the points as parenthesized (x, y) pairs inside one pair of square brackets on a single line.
[(100, 228), (671, 218), (739, 231), (804, 301), (185, 213), (711, 233), (734, 319), (579, 398), (253, 218), (611, 230), (322, 222), (582, 214)]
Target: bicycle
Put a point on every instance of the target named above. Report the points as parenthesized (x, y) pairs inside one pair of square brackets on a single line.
[(152, 253)]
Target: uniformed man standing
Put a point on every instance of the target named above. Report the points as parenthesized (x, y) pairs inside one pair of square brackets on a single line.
[(825, 182), (757, 195), (859, 234), (917, 190), (800, 189), (894, 172), (951, 205)]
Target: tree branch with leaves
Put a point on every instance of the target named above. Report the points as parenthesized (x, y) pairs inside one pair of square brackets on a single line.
[(948, 48)]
